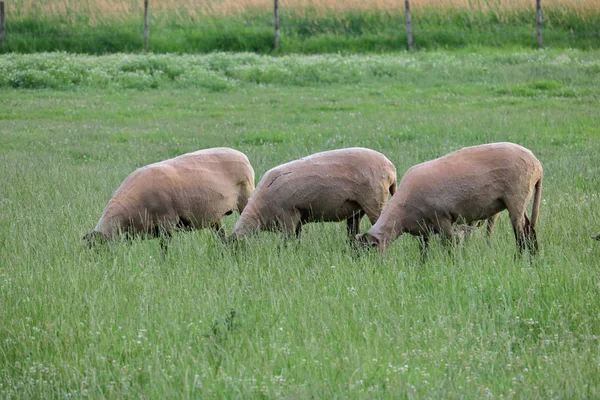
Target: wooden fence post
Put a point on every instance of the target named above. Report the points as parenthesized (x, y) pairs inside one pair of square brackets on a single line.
[(538, 17), (409, 37), (146, 35), (276, 23), (2, 24)]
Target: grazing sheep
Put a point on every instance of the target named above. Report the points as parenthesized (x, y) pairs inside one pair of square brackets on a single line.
[(471, 184), (191, 191), (597, 237), (330, 186)]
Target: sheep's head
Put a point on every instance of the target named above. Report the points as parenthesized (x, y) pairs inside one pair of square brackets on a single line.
[(368, 240), (94, 238)]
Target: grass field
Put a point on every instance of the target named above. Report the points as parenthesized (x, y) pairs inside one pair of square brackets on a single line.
[(311, 319), (307, 26)]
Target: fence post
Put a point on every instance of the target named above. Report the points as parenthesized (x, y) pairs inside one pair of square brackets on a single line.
[(276, 23), (538, 17), (146, 35), (2, 24), (409, 37)]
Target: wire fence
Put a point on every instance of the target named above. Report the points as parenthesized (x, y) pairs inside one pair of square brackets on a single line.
[(403, 27)]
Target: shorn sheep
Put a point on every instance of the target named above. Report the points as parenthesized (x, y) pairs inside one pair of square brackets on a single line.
[(472, 184), (335, 185), (192, 191)]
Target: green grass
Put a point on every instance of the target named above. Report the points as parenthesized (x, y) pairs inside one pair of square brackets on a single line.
[(308, 319), (306, 32)]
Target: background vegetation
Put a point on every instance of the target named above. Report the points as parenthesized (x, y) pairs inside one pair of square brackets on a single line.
[(325, 26), (311, 319)]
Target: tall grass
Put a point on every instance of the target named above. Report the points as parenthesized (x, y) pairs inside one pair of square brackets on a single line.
[(307, 26), (192, 9)]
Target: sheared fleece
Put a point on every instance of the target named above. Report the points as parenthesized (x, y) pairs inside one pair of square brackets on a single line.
[(474, 183), (334, 185), (193, 190)]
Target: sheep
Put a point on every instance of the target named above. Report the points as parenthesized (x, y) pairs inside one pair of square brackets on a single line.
[(472, 184), (191, 191), (332, 186)]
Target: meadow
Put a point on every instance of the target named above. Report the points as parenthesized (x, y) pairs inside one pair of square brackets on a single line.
[(312, 318), (307, 26)]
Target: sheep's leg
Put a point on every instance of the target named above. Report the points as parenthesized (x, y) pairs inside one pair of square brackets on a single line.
[(353, 228), (291, 227), (290, 224), (518, 223), (449, 238), (162, 226), (491, 221), (530, 236), (353, 224), (298, 230), (164, 237), (519, 237), (290, 230), (127, 236)]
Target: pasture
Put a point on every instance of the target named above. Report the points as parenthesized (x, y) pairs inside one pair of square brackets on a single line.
[(312, 318)]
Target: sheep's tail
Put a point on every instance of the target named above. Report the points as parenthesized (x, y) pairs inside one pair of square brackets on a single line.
[(535, 209)]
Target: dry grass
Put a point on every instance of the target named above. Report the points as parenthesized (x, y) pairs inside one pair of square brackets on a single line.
[(196, 8)]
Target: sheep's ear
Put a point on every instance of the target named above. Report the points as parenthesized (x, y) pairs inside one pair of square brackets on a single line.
[(373, 241), (362, 238)]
